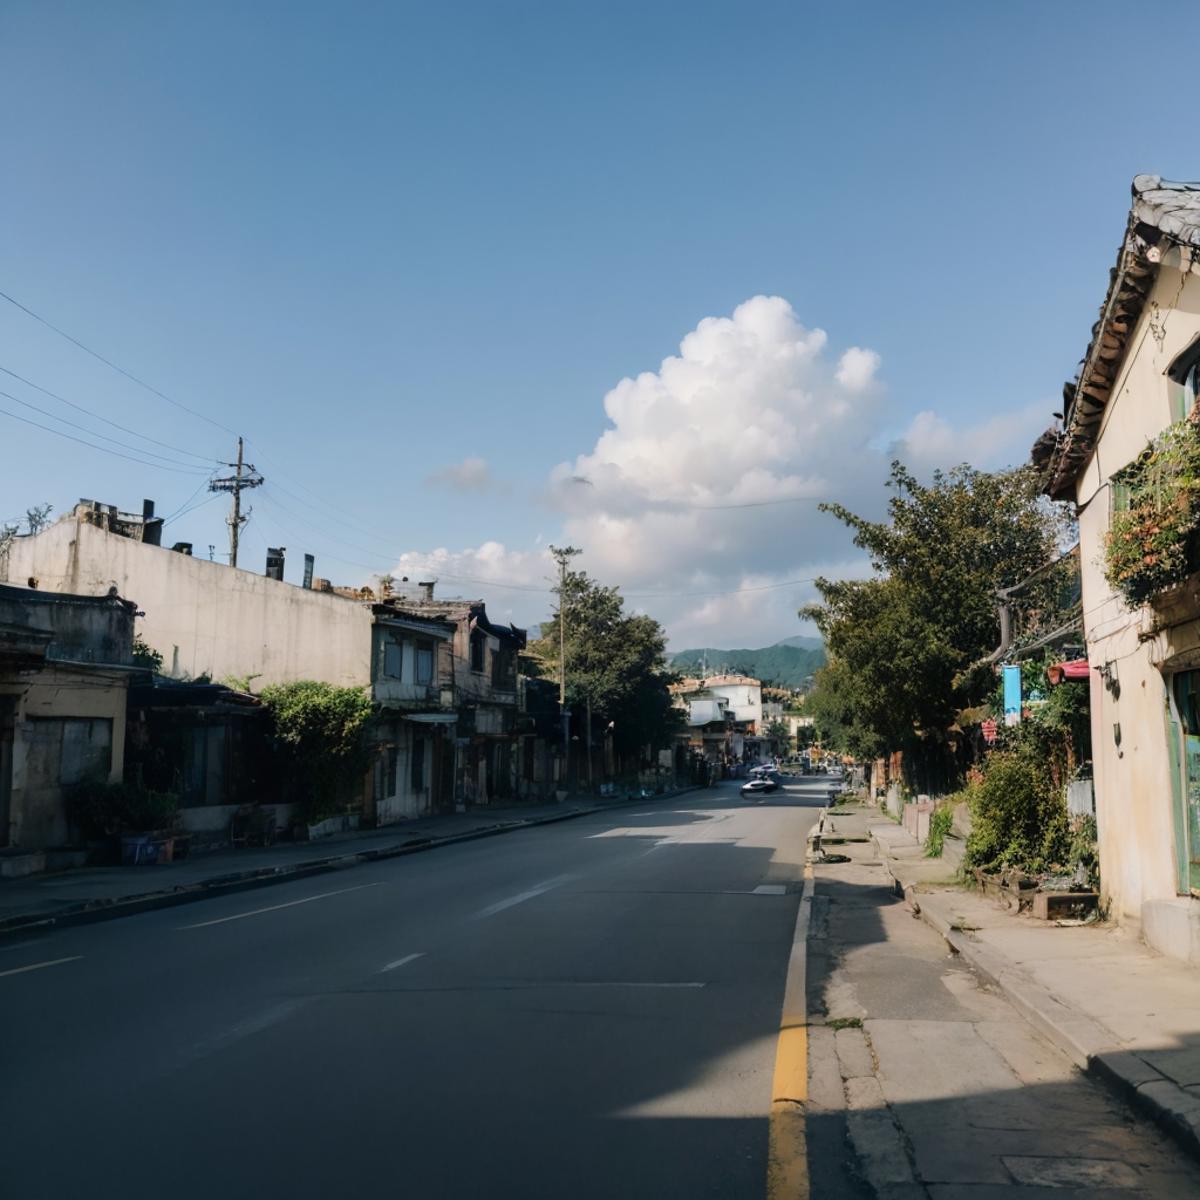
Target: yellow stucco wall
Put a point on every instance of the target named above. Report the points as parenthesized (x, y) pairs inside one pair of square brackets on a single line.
[(1134, 800)]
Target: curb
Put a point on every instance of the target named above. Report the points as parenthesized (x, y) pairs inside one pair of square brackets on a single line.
[(1091, 1046), (87, 912)]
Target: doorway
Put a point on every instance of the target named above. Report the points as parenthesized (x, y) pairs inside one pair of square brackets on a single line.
[(1185, 728)]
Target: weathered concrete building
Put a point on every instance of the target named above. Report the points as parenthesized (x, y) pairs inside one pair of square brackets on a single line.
[(65, 663), (428, 665), (1139, 377), (206, 619), (483, 691)]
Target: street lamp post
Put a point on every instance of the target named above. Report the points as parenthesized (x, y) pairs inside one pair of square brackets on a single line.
[(563, 555)]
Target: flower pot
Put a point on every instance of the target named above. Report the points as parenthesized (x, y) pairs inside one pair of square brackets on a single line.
[(146, 849)]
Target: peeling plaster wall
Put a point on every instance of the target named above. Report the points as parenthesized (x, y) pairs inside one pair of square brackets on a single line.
[(205, 618)]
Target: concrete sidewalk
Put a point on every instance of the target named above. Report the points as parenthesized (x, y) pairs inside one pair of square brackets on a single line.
[(99, 893), (1118, 1009)]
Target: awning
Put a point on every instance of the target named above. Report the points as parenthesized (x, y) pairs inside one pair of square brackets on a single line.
[(1076, 669), (431, 718)]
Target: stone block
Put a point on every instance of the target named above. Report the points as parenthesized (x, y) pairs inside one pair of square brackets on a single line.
[(1055, 906)]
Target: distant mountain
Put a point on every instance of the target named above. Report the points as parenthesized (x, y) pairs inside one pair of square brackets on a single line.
[(786, 664), (804, 643)]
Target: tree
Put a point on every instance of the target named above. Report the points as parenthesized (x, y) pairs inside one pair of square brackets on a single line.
[(320, 733), (903, 646), (615, 661)]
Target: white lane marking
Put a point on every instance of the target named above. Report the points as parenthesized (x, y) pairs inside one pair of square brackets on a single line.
[(770, 889), (247, 1028), (621, 984), (401, 961), (254, 912), (53, 962), (521, 897)]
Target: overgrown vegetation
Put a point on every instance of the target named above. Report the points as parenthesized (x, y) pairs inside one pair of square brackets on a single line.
[(902, 646), (145, 656), (1151, 545), (1018, 815), (319, 732), (941, 821), (101, 810)]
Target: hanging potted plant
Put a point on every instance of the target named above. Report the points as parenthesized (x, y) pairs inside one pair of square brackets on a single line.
[(1152, 543)]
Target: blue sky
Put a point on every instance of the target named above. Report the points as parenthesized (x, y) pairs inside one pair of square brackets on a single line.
[(382, 239)]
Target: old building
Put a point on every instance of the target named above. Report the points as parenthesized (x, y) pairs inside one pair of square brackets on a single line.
[(1129, 416), (483, 662), (65, 663)]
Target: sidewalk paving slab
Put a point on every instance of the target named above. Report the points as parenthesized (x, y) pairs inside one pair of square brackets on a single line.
[(89, 894), (1118, 1009)]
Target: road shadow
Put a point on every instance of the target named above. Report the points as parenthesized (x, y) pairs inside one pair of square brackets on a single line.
[(954, 1093)]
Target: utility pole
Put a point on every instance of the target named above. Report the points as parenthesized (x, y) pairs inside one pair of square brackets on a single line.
[(563, 555), (245, 476)]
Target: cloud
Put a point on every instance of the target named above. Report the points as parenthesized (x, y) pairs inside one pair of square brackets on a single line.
[(1001, 440), (681, 492), (856, 369), (470, 475)]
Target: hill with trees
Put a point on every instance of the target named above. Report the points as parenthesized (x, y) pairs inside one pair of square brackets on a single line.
[(786, 664)]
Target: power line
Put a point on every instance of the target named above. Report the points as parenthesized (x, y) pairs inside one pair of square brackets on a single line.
[(109, 363), (102, 436), (92, 445), (107, 420)]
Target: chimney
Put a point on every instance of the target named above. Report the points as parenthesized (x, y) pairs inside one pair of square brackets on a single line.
[(309, 563), (275, 562), (425, 587), (152, 526)]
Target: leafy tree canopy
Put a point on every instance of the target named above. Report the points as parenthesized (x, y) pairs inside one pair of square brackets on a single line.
[(615, 660), (901, 645)]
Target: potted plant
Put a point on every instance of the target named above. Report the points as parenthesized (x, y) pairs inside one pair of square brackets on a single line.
[(147, 825)]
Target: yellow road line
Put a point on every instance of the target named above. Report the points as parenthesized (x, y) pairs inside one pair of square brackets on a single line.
[(787, 1155)]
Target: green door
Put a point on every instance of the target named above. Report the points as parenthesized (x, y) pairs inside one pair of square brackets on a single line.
[(1186, 688)]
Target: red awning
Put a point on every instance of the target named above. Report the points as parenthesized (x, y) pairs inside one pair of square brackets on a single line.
[(1077, 669)]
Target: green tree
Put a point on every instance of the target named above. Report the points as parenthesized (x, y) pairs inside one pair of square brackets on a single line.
[(902, 646), (615, 660), (320, 736)]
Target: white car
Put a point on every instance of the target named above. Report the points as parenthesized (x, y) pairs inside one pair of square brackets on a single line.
[(758, 785)]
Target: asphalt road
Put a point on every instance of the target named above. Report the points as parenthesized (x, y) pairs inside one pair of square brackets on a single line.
[(588, 1009)]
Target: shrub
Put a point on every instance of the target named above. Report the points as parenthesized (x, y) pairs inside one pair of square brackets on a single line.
[(101, 810), (941, 820), (1018, 815), (1151, 546), (145, 656), (320, 736)]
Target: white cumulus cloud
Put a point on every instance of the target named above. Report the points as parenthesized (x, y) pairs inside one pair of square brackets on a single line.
[(856, 369), (680, 493)]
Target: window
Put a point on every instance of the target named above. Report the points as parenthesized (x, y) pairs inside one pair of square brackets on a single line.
[(424, 664), (393, 659), (1184, 386), (503, 675), (478, 644), (418, 764), (1118, 497)]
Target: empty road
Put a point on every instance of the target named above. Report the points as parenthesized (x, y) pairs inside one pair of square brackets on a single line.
[(587, 1009)]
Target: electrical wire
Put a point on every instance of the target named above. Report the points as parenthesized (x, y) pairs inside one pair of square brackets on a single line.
[(107, 420), (102, 436), (109, 363), (92, 445)]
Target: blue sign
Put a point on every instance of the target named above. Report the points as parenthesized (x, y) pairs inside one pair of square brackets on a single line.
[(1012, 695)]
